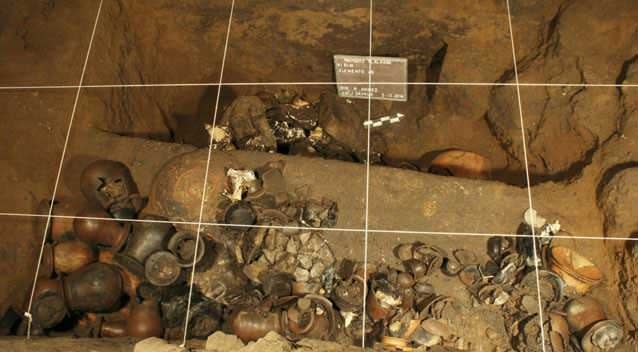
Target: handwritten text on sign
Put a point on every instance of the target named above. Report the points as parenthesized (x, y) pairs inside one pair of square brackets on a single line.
[(388, 76)]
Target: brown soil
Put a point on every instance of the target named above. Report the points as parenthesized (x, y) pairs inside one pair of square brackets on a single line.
[(581, 142)]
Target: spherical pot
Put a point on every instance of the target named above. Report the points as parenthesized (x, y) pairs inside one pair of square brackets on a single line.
[(577, 271), (49, 310), (162, 269), (116, 328), (59, 228), (249, 325), (105, 182), (145, 239), (182, 245), (107, 232), (71, 255), (94, 288), (582, 313), (145, 320)]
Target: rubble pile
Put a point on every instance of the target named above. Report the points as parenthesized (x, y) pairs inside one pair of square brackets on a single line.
[(266, 267), (286, 122), (331, 127)]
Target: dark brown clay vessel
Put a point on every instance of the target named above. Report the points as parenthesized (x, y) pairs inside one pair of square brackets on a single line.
[(49, 310), (249, 325), (582, 313), (110, 184), (145, 320), (71, 255), (109, 233), (146, 238), (94, 288)]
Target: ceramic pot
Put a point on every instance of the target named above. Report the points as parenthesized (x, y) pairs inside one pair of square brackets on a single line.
[(107, 232), (94, 288), (145, 320)]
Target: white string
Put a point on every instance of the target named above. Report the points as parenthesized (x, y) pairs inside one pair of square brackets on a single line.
[(57, 178), (328, 229), (203, 201), (367, 196), (529, 186), (322, 83)]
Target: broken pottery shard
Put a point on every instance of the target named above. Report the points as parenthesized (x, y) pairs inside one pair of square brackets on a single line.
[(387, 300)]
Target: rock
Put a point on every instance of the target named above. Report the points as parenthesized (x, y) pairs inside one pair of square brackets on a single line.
[(308, 345), (223, 342), (272, 342), (317, 269), (618, 203), (154, 344)]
